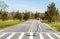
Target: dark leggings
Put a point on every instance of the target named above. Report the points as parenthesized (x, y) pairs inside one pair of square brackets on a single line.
[(36, 30)]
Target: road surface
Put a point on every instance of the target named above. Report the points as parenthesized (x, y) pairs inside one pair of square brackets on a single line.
[(26, 30)]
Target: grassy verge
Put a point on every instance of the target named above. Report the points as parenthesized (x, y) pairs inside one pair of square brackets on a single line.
[(56, 26), (5, 24)]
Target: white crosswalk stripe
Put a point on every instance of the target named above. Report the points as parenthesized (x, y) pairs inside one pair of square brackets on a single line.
[(3, 35), (23, 34), (49, 36), (56, 35), (41, 37), (11, 36), (31, 37)]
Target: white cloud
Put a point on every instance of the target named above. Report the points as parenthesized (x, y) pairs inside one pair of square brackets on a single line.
[(29, 5), (22, 7)]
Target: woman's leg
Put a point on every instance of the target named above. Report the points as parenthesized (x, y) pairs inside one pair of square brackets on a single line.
[(35, 31), (39, 29)]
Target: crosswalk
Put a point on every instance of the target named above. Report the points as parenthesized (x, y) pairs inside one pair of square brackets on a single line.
[(23, 35)]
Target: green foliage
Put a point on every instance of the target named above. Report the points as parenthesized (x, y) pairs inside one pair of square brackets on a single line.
[(32, 15), (56, 26), (51, 13), (37, 14), (8, 23), (18, 15), (5, 16), (4, 24), (0, 14), (26, 15)]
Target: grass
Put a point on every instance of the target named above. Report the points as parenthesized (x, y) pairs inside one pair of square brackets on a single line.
[(5, 24), (56, 26)]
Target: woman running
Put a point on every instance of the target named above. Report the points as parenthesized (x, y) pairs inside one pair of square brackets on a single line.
[(38, 26)]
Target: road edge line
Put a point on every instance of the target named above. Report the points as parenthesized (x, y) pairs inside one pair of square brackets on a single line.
[(51, 27), (10, 27)]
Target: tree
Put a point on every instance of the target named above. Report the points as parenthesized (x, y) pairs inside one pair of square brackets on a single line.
[(5, 16), (45, 15), (18, 16), (32, 15), (26, 15), (51, 12), (42, 16), (3, 5), (0, 14), (37, 14)]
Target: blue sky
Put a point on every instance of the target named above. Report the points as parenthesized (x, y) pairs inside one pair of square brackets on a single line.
[(30, 5)]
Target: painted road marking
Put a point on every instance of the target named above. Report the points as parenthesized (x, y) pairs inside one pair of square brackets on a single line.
[(3, 35), (56, 35), (41, 37), (31, 28), (11, 36), (21, 36), (31, 36), (49, 36)]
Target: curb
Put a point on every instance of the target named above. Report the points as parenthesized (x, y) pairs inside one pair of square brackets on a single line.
[(51, 28), (10, 27), (6, 28)]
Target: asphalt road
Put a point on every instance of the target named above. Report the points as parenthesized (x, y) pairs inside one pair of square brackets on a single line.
[(26, 30)]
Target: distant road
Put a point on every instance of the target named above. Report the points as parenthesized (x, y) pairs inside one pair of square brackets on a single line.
[(22, 31)]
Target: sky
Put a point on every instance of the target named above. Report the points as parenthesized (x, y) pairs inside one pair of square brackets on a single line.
[(30, 5)]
